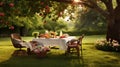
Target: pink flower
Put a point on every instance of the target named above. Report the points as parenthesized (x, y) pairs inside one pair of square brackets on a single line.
[(11, 27), (2, 14), (115, 43), (11, 4), (1, 3), (41, 3)]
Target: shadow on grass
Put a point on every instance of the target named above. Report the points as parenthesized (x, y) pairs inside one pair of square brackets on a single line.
[(53, 59), (90, 57), (99, 58)]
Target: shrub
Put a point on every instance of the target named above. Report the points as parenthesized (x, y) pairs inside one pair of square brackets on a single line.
[(107, 46)]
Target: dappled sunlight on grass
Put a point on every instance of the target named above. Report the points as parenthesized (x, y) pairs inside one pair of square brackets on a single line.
[(93, 38), (27, 38), (5, 52), (5, 41), (94, 57)]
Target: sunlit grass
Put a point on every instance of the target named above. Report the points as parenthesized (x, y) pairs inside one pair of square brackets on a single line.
[(27, 38), (5, 52), (91, 57), (97, 58), (92, 38)]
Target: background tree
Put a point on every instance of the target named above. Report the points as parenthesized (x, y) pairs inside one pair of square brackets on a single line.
[(55, 25), (21, 13), (90, 21), (110, 12), (111, 15), (9, 10)]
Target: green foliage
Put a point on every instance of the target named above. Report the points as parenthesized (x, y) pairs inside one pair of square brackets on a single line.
[(86, 32), (91, 21), (41, 31), (19, 12), (54, 25)]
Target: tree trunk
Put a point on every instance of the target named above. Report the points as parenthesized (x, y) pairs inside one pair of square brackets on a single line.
[(23, 31), (113, 29)]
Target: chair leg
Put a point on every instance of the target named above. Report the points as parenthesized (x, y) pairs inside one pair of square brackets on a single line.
[(74, 50), (78, 51), (20, 49), (28, 51), (67, 51)]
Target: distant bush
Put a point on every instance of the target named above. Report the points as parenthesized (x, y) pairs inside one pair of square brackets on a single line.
[(41, 31), (77, 33)]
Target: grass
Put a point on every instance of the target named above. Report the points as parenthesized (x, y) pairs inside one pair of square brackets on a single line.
[(91, 57)]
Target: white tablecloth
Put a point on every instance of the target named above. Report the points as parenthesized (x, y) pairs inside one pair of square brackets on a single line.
[(61, 42)]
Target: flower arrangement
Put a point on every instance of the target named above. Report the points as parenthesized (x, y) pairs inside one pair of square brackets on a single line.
[(64, 36), (47, 35), (41, 36), (107, 45), (53, 34)]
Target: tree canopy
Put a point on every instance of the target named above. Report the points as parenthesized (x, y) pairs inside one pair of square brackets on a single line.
[(11, 10), (90, 21), (14, 12), (110, 12)]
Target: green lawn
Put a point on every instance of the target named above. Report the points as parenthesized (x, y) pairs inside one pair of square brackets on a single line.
[(91, 57)]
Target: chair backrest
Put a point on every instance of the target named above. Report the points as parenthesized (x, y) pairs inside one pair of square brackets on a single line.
[(15, 42), (15, 35), (80, 40), (74, 42)]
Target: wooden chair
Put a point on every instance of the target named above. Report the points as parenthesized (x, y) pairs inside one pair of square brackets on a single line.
[(17, 44), (74, 46), (80, 41)]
